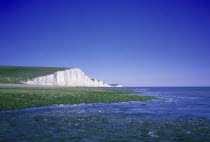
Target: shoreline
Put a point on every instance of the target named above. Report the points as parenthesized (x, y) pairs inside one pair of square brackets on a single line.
[(14, 98)]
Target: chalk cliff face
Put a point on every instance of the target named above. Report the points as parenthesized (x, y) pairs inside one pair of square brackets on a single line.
[(70, 77)]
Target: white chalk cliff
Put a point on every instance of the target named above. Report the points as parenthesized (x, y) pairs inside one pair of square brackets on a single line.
[(70, 77)]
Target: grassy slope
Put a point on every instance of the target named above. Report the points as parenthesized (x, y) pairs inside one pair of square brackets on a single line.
[(13, 98), (17, 74)]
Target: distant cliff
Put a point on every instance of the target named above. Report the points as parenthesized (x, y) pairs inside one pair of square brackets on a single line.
[(69, 77)]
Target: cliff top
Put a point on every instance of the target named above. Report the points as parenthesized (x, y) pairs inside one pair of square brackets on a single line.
[(17, 74)]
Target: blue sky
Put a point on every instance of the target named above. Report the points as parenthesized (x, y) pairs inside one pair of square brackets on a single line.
[(132, 42)]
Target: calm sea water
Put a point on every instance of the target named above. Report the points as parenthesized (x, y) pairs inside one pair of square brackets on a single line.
[(181, 114)]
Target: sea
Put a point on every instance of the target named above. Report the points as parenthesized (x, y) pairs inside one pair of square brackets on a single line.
[(180, 114)]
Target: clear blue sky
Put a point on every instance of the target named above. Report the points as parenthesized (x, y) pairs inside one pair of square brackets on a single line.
[(132, 42)]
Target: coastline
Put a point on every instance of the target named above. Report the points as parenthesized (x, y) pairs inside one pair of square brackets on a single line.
[(14, 98)]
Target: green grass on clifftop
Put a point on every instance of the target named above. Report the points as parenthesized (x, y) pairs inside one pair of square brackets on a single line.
[(13, 98), (17, 74)]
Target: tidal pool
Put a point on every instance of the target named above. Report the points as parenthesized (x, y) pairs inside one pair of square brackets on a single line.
[(182, 114)]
